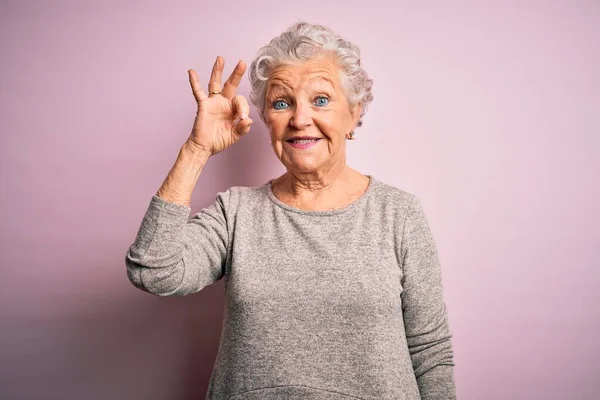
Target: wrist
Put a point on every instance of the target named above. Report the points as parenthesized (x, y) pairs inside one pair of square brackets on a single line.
[(196, 152)]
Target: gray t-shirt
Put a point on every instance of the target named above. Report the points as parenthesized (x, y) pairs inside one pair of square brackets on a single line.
[(342, 304)]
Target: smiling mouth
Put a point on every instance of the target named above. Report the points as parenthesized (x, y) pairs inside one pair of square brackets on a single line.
[(303, 140)]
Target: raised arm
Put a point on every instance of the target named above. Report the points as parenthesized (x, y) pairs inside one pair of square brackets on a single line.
[(215, 129), (424, 309), (171, 255)]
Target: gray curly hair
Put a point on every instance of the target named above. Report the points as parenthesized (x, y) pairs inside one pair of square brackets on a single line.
[(301, 42)]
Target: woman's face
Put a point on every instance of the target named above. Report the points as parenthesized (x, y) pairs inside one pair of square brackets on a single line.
[(307, 101)]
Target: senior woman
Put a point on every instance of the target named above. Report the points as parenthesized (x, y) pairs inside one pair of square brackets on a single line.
[(332, 278)]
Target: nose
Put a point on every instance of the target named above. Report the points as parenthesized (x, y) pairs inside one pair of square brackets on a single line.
[(301, 117)]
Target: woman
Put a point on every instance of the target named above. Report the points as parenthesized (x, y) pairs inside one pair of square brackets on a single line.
[(332, 277)]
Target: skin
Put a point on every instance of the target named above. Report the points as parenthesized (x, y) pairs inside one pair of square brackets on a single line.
[(310, 102), (216, 127), (317, 178)]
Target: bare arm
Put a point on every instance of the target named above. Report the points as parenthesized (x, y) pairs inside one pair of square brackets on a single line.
[(181, 180), (214, 130)]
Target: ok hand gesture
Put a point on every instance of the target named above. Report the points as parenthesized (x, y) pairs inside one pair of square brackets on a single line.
[(215, 127)]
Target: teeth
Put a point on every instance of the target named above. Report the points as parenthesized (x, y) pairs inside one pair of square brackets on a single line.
[(304, 141)]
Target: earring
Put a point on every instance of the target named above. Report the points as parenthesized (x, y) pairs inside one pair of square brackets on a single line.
[(351, 136)]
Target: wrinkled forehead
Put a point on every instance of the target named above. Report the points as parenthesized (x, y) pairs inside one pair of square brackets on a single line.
[(313, 74)]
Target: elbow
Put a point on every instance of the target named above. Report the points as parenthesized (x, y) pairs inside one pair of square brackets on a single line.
[(431, 355), (163, 281), (434, 371)]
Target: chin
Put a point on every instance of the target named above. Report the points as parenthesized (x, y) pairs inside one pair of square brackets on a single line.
[(305, 167)]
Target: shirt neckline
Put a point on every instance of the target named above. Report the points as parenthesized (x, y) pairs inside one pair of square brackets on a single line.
[(267, 187)]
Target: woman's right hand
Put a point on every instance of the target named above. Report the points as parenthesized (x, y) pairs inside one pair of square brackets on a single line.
[(215, 127)]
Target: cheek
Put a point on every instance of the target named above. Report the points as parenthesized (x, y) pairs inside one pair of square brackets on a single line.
[(276, 124), (331, 125)]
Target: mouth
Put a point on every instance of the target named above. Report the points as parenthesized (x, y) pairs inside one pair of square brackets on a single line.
[(303, 142), (303, 139)]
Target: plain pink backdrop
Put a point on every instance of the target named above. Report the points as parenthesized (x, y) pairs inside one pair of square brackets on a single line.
[(487, 110)]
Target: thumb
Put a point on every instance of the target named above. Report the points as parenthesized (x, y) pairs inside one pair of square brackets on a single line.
[(243, 126), (240, 107)]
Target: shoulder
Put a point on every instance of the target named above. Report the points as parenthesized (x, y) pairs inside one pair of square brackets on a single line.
[(242, 196), (392, 196), (403, 207)]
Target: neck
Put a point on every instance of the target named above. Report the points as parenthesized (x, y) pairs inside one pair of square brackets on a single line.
[(320, 192), (299, 184)]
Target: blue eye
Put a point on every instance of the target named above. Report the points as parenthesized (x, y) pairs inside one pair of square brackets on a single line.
[(275, 103), (321, 103)]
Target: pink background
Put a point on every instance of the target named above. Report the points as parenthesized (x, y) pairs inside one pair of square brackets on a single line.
[(486, 110)]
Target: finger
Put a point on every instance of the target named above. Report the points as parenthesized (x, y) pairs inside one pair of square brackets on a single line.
[(240, 106), (243, 126), (195, 84), (214, 85), (230, 87)]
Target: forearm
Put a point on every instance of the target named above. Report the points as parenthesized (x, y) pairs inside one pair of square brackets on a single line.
[(180, 182), (438, 383)]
